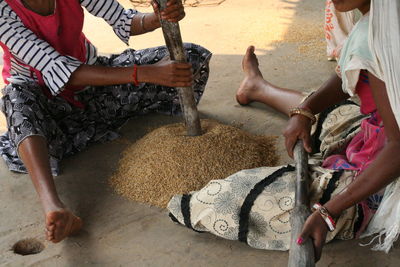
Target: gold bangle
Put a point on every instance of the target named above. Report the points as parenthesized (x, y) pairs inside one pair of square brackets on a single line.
[(303, 112)]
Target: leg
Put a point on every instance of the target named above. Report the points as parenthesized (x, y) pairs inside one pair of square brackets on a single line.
[(31, 128), (126, 100), (255, 89), (60, 222)]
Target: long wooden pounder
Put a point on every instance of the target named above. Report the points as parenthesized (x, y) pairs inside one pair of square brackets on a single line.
[(173, 40), (301, 255)]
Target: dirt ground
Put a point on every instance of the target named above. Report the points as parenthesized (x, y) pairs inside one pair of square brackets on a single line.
[(289, 39)]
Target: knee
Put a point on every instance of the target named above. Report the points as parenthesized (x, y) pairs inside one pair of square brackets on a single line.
[(21, 93), (21, 105), (198, 56)]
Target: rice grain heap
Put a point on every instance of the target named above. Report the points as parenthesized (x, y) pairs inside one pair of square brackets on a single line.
[(166, 162)]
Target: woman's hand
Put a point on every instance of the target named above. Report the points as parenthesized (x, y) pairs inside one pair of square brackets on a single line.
[(174, 11), (316, 229), (166, 72), (299, 127)]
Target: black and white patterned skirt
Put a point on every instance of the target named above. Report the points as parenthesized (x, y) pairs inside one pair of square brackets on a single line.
[(69, 129)]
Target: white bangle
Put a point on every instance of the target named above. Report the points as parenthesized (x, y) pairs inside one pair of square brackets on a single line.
[(330, 222), (142, 22)]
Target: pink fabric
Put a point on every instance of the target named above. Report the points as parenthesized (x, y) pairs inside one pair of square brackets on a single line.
[(62, 30), (364, 147)]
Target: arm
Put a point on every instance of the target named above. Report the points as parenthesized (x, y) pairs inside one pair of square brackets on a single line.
[(329, 94), (299, 127), (165, 72), (148, 22), (127, 22), (370, 181)]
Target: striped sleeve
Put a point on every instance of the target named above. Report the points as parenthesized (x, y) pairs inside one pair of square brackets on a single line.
[(28, 49), (114, 14)]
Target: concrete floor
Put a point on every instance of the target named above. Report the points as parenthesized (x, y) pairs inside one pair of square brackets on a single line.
[(118, 232)]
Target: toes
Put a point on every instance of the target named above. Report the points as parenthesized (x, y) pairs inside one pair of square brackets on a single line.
[(50, 232), (61, 224)]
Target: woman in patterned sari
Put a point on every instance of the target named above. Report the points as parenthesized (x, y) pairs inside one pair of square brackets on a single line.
[(60, 96), (354, 150)]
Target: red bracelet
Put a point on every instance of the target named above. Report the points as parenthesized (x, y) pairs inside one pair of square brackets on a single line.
[(134, 75), (330, 222)]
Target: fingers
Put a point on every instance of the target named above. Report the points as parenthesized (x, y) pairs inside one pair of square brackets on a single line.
[(174, 16), (172, 74), (173, 12), (303, 236), (315, 229), (154, 4), (318, 244), (181, 74), (290, 142), (307, 143), (299, 127)]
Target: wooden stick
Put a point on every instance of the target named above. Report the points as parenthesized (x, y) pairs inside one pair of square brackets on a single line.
[(173, 40), (301, 255)]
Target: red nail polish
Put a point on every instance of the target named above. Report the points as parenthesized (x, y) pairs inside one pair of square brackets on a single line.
[(300, 241)]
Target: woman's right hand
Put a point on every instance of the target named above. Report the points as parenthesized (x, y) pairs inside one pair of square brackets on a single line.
[(299, 127), (166, 72)]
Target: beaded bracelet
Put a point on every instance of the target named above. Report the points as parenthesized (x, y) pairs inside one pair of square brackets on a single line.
[(330, 222), (134, 75)]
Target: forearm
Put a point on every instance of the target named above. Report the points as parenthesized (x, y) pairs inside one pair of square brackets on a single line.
[(380, 173), (87, 75), (329, 94), (145, 22)]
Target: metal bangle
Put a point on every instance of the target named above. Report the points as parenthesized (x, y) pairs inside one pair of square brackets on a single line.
[(142, 22), (330, 222), (303, 112)]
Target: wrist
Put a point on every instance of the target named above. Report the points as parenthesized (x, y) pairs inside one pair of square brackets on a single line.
[(325, 215), (306, 107), (334, 210), (303, 112), (142, 74), (154, 21)]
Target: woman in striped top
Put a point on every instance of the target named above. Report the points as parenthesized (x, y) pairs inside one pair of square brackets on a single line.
[(60, 96)]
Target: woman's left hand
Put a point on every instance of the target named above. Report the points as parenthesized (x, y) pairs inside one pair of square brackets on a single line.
[(316, 229), (174, 11)]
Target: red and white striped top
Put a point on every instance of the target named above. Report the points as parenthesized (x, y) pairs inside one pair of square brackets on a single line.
[(27, 48)]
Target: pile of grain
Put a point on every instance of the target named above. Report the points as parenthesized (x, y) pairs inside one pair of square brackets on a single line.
[(166, 162)]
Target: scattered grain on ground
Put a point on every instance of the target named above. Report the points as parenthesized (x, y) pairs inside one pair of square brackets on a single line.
[(309, 39), (166, 162)]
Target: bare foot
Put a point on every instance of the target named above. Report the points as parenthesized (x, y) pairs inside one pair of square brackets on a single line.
[(61, 224), (250, 84)]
